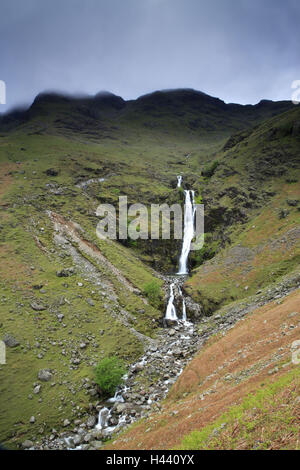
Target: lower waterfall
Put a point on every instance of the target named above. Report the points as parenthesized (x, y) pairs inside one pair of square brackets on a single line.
[(171, 310)]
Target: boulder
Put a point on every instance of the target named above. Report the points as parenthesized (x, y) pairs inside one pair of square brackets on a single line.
[(65, 272), (44, 375), (91, 422), (27, 444), (37, 307), (51, 172), (10, 341)]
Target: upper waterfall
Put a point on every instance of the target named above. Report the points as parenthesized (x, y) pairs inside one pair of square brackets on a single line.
[(189, 216)]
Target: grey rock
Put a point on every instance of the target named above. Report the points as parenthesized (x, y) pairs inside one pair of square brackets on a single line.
[(95, 445), (292, 202), (120, 407), (51, 172), (27, 444), (138, 367), (37, 307), (87, 438), (77, 440), (10, 341), (65, 272), (91, 422), (44, 375)]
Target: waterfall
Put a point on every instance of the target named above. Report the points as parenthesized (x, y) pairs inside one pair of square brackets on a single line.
[(118, 397), (171, 310), (104, 415), (183, 310), (184, 317), (189, 216), (179, 179)]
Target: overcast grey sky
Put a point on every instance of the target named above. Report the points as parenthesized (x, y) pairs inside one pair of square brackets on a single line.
[(239, 50)]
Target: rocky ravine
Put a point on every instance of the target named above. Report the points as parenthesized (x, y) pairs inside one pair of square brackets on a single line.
[(147, 383), (151, 377)]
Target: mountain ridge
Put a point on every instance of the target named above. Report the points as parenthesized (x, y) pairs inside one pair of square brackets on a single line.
[(195, 102), (65, 301)]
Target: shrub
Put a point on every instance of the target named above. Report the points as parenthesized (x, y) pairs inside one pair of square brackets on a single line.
[(152, 291), (208, 251), (109, 374), (198, 199), (209, 171)]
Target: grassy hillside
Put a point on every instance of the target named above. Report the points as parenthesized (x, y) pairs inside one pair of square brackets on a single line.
[(69, 299), (240, 392), (252, 204)]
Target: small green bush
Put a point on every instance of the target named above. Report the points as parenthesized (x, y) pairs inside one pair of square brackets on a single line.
[(209, 171), (198, 199), (152, 291), (109, 374)]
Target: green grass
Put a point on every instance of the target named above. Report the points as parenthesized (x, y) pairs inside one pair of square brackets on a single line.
[(262, 411), (138, 151), (251, 186)]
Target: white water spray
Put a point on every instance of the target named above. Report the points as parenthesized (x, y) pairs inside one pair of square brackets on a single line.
[(183, 310), (184, 317), (179, 179), (171, 310), (104, 415), (117, 398), (189, 217)]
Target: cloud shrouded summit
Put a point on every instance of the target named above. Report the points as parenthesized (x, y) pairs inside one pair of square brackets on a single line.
[(239, 50)]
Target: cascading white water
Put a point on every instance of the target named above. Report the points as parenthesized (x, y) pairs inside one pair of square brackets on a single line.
[(179, 179), (184, 317), (104, 415), (188, 234), (118, 397), (171, 310), (183, 310)]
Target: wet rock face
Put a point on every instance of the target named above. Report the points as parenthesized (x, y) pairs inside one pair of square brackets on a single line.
[(194, 310)]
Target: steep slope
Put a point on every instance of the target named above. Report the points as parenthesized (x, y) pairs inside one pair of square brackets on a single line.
[(61, 308), (252, 204), (240, 392), (142, 144), (69, 299)]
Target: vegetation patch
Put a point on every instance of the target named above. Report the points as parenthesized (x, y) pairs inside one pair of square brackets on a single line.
[(109, 375)]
